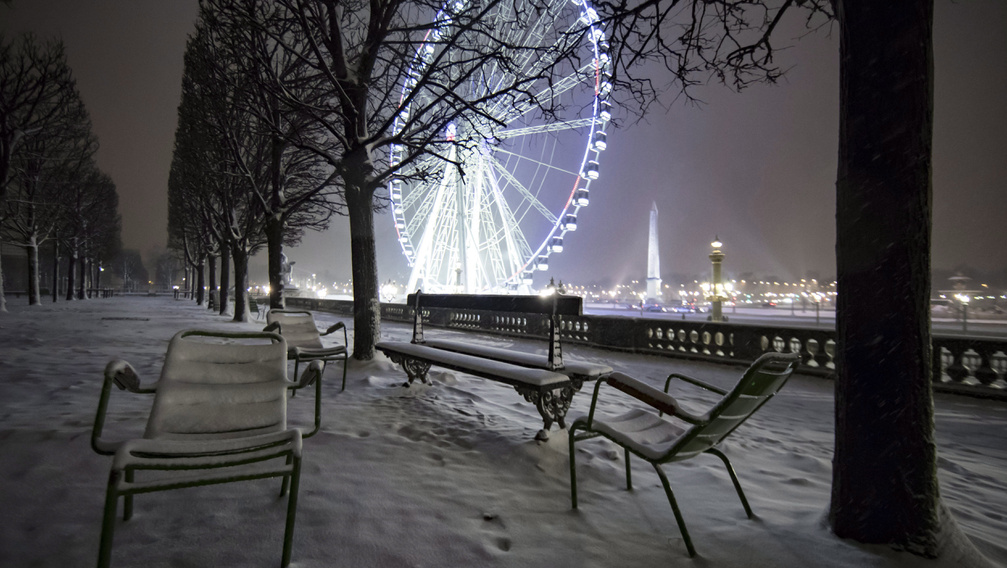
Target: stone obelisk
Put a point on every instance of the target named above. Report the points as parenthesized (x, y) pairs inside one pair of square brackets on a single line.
[(653, 260)]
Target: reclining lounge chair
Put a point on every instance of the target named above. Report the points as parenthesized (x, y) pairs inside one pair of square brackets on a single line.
[(219, 415), (304, 342), (651, 437)]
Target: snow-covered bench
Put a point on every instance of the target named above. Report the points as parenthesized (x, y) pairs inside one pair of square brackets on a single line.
[(544, 380)]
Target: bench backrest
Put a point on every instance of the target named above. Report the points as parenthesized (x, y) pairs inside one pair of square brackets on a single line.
[(554, 306)]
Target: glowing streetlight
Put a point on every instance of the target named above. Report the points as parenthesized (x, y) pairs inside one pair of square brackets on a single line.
[(716, 293)]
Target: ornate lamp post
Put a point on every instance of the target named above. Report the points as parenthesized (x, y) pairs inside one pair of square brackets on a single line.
[(716, 296)]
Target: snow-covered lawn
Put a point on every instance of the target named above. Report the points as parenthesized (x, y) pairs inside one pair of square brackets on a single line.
[(437, 476)]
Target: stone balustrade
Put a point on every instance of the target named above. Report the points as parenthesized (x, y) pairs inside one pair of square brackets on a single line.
[(976, 366)]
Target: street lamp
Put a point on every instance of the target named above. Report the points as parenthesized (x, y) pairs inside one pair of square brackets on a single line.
[(716, 296)]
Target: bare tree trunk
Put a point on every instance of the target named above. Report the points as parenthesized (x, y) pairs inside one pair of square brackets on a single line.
[(71, 272), (274, 246), (200, 282), (83, 278), (31, 249), (212, 264), (363, 257), (225, 275), (3, 296), (55, 269), (884, 487), (240, 257)]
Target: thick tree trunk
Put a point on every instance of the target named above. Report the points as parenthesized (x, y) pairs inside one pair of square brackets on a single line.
[(225, 276), (200, 282), (240, 257), (274, 245), (363, 257), (211, 263), (274, 222), (884, 487), (31, 249)]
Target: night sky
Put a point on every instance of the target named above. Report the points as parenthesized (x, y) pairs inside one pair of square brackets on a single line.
[(756, 169)]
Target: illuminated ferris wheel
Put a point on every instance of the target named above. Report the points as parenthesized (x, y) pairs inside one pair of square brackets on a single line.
[(487, 226)]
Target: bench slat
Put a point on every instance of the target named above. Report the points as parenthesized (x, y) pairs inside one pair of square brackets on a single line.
[(486, 368), (579, 369)]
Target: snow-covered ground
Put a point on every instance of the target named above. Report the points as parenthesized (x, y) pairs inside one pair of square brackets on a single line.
[(437, 476)]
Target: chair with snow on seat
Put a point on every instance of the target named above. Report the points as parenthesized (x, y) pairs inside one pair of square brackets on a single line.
[(219, 414), (653, 438), (304, 342)]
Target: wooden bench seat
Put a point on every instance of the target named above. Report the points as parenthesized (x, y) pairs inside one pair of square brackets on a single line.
[(547, 381)]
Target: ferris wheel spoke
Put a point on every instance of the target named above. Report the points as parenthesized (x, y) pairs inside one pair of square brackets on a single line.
[(517, 245), (534, 161), (581, 76), (513, 181), (544, 128)]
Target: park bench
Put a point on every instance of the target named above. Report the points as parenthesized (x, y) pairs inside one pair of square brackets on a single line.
[(545, 380)]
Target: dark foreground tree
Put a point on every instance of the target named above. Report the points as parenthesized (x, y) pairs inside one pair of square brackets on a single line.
[(884, 487)]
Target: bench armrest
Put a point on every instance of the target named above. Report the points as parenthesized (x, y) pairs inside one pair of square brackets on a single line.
[(275, 326), (122, 375), (693, 381)]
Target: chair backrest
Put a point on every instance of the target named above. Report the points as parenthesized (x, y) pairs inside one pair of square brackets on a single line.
[(297, 327), (220, 385), (763, 379)]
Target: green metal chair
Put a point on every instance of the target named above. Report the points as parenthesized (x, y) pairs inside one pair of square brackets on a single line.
[(219, 415), (658, 441), (304, 342)]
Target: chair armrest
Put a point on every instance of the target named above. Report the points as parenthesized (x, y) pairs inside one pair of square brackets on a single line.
[(645, 393), (335, 327), (122, 375), (275, 326), (312, 374), (693, 381)]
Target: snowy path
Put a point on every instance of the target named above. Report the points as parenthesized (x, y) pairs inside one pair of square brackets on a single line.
[(437, 476)]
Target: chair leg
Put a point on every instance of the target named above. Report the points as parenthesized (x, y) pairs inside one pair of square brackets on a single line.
[(286, 480), (674, 508), (346, 362), (127, 501), (108, 523), (573, 469), (734, 478), (297, 364), (288, 533), (629, 476)]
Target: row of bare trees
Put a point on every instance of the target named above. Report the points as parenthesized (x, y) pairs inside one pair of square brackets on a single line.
[(303, 101), (51, 190), (281, 81)]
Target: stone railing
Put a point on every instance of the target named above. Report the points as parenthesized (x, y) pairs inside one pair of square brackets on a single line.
[(976, 366)]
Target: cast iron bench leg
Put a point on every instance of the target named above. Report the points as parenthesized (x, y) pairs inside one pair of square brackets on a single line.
[(552, 404), (414, 368)]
